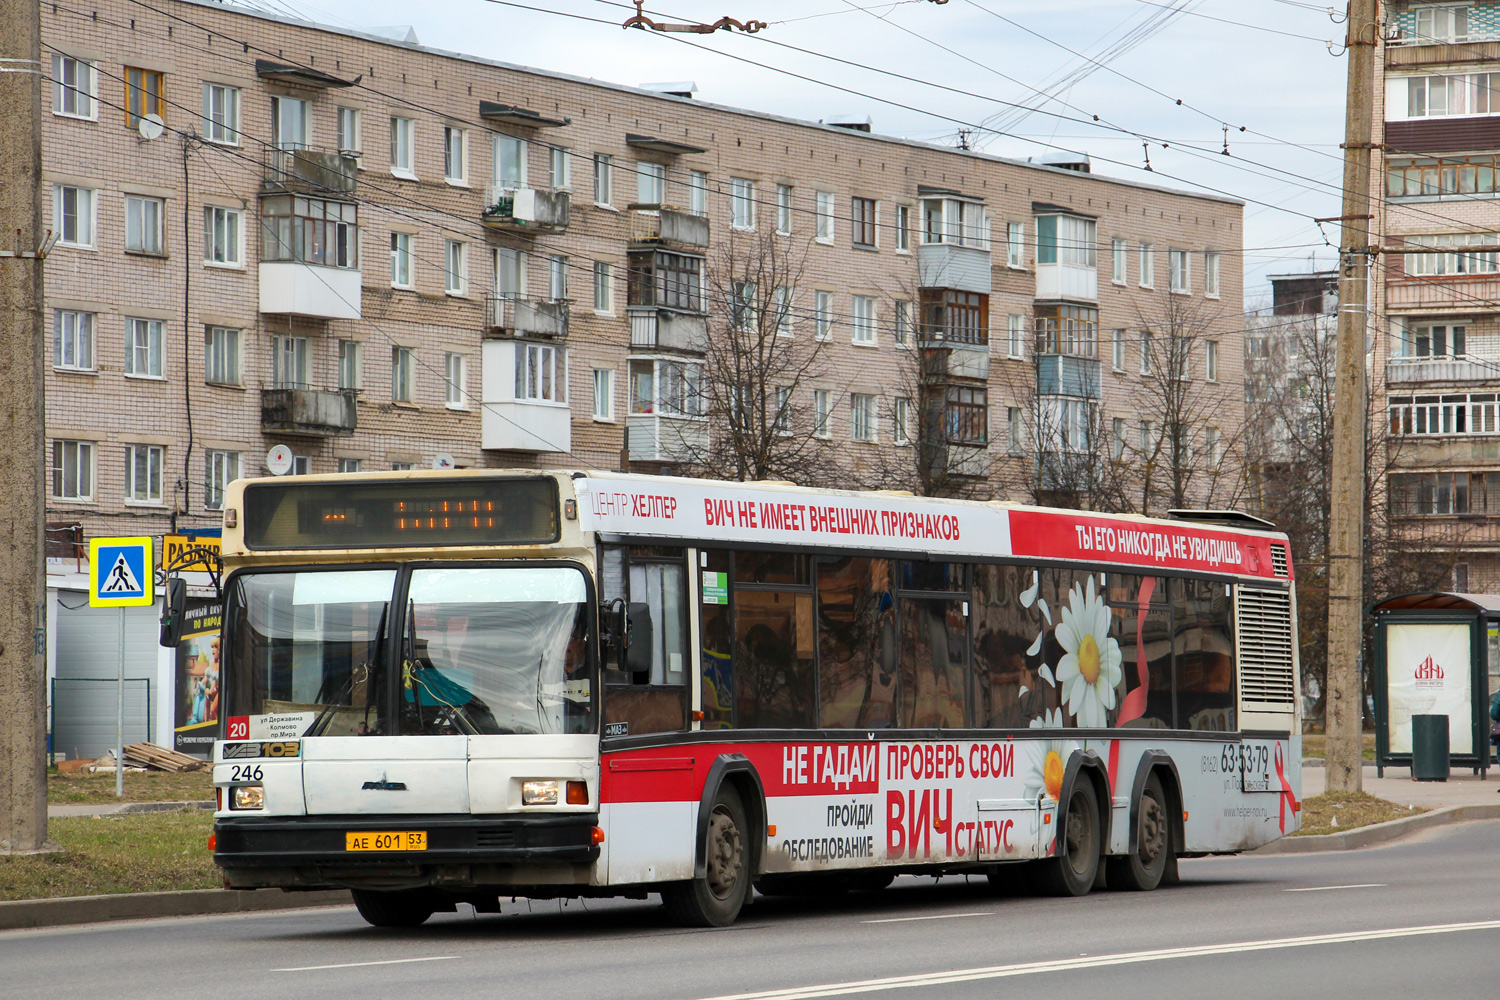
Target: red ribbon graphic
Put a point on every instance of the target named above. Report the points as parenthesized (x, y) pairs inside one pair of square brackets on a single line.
[(1286, 796), (1133, 705)]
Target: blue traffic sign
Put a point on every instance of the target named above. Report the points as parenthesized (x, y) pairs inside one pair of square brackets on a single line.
[(120, 572)]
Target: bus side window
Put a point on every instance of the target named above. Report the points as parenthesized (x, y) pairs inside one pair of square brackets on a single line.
[(1205, 655), (1150, 635), (1006, 693), (775, 683), (934, 637), (657, 578), (856, 644), (717, 635)]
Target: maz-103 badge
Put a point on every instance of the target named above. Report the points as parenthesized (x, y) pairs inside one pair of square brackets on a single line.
[(239, 751)]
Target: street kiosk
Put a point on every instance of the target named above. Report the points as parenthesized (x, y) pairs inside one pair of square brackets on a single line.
[(1436, 654)]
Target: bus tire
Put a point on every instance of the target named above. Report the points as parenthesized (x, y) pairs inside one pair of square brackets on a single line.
[(1071, 872), (716, 899), (408, 908), (1142, 870)]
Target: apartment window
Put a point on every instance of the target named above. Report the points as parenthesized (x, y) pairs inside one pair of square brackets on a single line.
[(603, 179), (72, 470), (560, 168), (824, 214), (403, 375), (822, 315), (1211, 274), (781, 302), (900, 417), (301, 465), (744, 306), (143, 347), (348, 130), (310, 230), (1179, 265), (221, 114), (1212, 447), (822, 410), (604, 288), (1450, 413), (1147, 265), (1211, 360), (697, 192), (1451, 94), (1117, 256), (73, 340), (862, 222), (784, 209), (903, 321), (1015, 440), (539, 373), (604, 394), (557, 278), (220, 469), (1433, 340), (1118, 340), (1147, 348), (956, 316), (289, 123), (401, 260), (143, 95), (73, 211), (862, 416), (223, 236), (1432, 177), (221, 355), (903, 228), (1148, 439), (670, 388), (966, 415), (455, 267), (1066, 239), (291, 366), (403, 466), (143, 464), (403, 147), (741, 203), (1456, 260), (953, 220), (670, 280), (783, 422), (348, 465), (1015, 244), (650, 183), (1015, 335), (350, 364), (1442, 24), (455, 373), (1117, 438), (73, 87), (864, 319), (510, 272), (143, 224), (455, 154), (1067, 329)]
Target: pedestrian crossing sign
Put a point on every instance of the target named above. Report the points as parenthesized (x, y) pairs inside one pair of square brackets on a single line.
[(120, 573)]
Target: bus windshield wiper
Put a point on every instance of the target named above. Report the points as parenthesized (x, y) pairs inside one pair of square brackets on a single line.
[(326, 714), (413, 665)]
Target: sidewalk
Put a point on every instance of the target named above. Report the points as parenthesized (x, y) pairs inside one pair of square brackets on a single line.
[(122, 808), (1462, 788)]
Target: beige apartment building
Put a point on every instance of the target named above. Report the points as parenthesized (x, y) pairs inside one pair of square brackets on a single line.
[(378, 255)]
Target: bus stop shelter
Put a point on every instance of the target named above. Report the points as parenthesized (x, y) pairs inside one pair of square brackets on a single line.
[(1435, 654)]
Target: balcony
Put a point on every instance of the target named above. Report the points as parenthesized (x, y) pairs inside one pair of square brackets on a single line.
[(293, 288), (1067, 281), (663, 330), (1405, 370), (1456, 294), (1065, 375), (526, 425), (511, 317), (950, 265), (308, 412), (968, 460), (655, 438), (509, 423), (945, 359), (664, 225), (525, 210), (309, 171), (1408, 52)]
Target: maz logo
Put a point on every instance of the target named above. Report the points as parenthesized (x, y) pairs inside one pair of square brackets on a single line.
[(383, 785)]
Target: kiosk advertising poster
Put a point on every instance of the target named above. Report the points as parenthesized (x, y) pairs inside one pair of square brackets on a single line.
[(1428, 672), (196, 720)]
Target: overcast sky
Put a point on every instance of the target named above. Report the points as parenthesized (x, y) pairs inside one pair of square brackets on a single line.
[(1271, 72)]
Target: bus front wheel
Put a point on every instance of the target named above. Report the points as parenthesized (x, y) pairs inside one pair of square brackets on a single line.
[(717, 898), (1142, 871), (1072, 871), (408, 908)]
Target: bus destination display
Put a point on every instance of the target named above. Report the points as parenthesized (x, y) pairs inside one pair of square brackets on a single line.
[(415, 513)]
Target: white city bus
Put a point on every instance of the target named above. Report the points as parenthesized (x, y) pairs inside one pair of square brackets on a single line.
[(454, 686)]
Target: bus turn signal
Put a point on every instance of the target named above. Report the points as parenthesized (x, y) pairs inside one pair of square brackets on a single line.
[(578, 793), (598, 835)]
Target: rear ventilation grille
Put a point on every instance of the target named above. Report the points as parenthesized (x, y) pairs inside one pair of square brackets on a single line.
[(495, 838), (1278, 561), (1263, 638)]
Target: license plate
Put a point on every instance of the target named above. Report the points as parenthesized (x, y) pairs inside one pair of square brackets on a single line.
[(399, 840)]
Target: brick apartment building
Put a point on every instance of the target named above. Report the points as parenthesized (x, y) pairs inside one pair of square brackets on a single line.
[(384, 256)]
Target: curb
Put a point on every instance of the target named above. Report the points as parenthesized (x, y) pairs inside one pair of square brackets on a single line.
[(24, 913), (1379, 833)]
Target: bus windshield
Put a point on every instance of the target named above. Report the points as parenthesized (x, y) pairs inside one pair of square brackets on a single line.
[(477, 651)]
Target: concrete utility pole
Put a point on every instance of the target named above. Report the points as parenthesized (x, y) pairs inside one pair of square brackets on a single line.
[(23, 662), (1346, 562)]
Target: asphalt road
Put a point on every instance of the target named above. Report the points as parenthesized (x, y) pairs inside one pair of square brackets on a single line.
[(1418, 918)]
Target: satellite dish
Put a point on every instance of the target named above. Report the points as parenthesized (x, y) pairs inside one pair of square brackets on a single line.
[(443, 461), (151, 127), (279, 460)]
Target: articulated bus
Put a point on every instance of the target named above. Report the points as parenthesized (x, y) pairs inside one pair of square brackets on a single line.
[(449, 687)]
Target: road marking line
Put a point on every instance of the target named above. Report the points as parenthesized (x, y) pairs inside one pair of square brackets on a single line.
[(355, 965), (1126, 958), (940, 916), (1325, 888)]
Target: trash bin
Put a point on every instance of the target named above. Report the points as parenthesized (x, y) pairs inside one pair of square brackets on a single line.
[(1429, 747)]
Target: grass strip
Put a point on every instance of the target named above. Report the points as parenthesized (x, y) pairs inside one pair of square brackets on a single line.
[(1316, 745), (147, 852), (150, 786), (1350, 810)]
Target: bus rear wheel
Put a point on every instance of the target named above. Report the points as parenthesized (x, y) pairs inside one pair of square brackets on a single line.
[(716, 899), (406, 908), (1072, 871), (1142, 871)]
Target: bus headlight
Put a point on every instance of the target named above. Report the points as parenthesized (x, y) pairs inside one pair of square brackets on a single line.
[(539, 793), (247, 797)]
